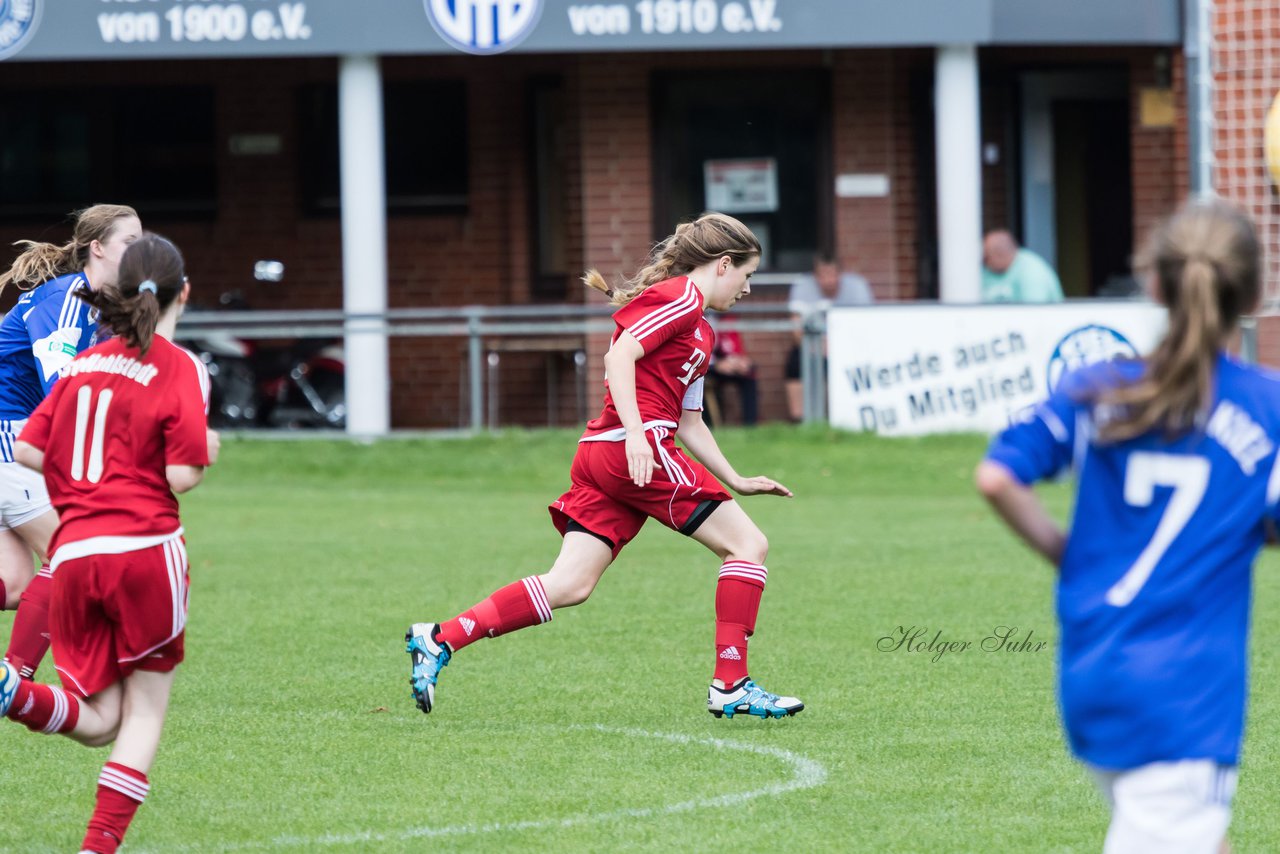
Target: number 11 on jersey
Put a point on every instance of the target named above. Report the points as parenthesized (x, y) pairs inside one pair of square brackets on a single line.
[(84, 405)]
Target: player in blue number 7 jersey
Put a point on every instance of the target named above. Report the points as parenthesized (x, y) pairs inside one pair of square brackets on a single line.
[(1178, 488)]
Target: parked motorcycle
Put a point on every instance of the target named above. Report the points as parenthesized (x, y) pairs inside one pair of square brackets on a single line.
[(254, 384), (306, 387)]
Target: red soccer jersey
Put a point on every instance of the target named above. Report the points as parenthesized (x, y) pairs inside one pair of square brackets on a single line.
[(667, 321), (108, 429)]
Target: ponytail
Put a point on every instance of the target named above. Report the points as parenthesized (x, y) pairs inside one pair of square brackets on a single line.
[(38, 263), (593, 279), (1206, 263)]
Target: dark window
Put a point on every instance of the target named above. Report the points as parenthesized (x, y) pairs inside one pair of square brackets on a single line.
[(152, 148), (774, 121), (425, 146)]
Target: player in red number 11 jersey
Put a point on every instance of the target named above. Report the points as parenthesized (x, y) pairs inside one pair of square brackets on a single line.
[(123, 430), (628, 469)]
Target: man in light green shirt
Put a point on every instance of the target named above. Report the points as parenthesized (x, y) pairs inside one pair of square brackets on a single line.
[(1013, 274)]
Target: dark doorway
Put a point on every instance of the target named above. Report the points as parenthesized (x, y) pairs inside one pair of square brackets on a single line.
[(1094, 199), (779, 119)]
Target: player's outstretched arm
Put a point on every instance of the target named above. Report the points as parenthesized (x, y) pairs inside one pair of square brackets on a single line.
[(699, 441), (1021, 510)]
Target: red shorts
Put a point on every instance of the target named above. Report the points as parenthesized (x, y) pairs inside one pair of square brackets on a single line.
[(604, 500), (112, 614)]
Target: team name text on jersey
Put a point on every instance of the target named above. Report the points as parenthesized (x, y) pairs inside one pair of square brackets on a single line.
[(1238, 434), (124, 366)]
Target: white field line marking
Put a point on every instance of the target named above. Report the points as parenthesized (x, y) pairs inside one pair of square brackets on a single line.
[(805, 774)]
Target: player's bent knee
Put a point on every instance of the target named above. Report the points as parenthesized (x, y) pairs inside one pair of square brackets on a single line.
[(570, 594), (96, 738), (577, 596), (753, 548), (13, 593)]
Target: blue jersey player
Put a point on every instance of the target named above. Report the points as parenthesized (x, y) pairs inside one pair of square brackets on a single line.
[(1178, 488), (47, 328)]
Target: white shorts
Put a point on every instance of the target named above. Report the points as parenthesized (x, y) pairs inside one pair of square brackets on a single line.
[(23, 496), (1168, 807)]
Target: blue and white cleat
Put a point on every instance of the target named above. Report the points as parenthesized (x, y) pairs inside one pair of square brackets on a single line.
[(749, 698), (9, 682), (429, 655)]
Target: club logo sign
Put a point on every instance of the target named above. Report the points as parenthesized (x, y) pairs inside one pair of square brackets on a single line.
[(1086, 346), (18, 22), (483, 26)]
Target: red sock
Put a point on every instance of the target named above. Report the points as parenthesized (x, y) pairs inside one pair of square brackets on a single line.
[(121, 790), (44, 708), (30, 639), (516, 606), (737, 602)]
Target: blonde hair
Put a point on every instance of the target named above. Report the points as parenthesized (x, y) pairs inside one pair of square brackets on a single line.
[(1206, 262), (40, 262), (710, 236)]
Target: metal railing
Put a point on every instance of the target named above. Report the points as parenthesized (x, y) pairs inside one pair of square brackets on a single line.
[(479, 325)]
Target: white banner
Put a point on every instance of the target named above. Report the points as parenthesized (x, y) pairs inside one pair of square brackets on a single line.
[(915, 369)]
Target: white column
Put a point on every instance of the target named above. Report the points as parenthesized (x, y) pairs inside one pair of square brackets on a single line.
[(956, 117), (1198, 49), (364, 244)]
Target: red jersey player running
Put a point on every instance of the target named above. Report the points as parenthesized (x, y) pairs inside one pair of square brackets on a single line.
[(628, 469), (122, 431)]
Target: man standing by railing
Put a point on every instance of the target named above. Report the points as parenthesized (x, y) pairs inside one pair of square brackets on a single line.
[(812, 295)]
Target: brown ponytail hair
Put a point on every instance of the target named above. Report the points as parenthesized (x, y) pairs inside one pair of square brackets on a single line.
[(40, 262), (151, 277), (1205, 261), (710, 236)]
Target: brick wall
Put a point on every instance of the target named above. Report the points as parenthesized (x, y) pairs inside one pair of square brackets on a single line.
[(864, 142), (484, 255), (1246, 78), (1160, 167)]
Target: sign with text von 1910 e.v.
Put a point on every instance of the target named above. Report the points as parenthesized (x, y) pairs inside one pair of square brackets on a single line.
[(915, 369)]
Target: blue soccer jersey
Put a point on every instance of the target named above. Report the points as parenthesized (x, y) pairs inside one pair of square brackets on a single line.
[(1154, 586), (43, 332)]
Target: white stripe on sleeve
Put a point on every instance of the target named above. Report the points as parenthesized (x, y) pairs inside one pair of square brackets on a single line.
[(660, 317)]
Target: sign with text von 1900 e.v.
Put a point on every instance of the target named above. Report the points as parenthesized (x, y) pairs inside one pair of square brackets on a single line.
[(915, 369)]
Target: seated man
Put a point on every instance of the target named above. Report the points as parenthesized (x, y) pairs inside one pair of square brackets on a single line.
[(814, 294), (731, 366), (1013, 274)]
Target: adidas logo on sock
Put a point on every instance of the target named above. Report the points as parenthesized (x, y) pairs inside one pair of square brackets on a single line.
[(31, 701), (731, 654), (468, 625)]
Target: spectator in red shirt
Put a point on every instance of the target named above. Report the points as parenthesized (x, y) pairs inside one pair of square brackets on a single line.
[(731, 366)]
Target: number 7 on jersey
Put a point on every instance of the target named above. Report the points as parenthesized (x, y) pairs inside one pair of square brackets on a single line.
[(1189, 477)]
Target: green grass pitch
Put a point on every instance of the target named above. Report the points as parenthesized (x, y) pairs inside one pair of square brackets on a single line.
[(292, 729)]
